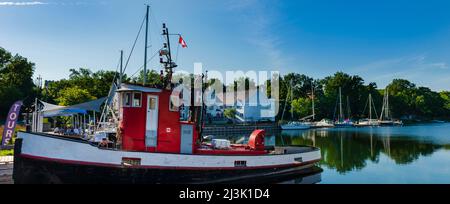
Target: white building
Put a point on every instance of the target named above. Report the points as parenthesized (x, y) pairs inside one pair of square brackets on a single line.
[(250, 106)]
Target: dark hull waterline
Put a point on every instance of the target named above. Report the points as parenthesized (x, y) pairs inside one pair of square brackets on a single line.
[(38, 171)]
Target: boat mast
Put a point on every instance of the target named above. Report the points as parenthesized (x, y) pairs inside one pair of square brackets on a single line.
[(340, 105), (370, 108), (146, 46), (388, 114), (348, 108), (292, 108), (285, 102), (313, 108), (121, 69)]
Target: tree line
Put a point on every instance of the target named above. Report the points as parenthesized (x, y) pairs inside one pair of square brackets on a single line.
[(406, 98)]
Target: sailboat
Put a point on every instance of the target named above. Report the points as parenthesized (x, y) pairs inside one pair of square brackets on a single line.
[(150, 145), (341, 120), (293, 125), (369, 121), (386, 117), (324, 123)]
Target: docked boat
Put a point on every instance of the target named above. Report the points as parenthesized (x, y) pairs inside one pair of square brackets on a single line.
[(341, 122), (324, 123), (149, 144), (293, 125), (386, 116), (296, 126), (369, 122)]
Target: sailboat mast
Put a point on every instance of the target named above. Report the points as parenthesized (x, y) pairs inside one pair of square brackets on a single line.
[(285, 103), (387, 105), (370, 108), (292, 108), (340, 105), (348, 108), (146, 46), (121, 69), (313, 108)]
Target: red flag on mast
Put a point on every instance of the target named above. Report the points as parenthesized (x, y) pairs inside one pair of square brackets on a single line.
[(182, 42)]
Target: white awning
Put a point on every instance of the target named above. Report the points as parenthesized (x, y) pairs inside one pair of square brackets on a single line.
[(51, 110)]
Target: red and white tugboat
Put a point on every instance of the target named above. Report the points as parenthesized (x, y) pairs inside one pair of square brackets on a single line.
[(152, 145)]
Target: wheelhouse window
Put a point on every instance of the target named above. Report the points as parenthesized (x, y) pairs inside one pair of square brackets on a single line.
[(137, 99), (126, 99)]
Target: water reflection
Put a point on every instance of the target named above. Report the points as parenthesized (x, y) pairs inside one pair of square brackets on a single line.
[(410, 154), (348, 150)]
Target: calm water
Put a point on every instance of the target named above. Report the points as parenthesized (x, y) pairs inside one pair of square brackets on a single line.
[(410, 154), (377, 155)]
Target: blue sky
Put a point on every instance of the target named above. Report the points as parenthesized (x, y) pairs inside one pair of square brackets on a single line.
[(378, 40)]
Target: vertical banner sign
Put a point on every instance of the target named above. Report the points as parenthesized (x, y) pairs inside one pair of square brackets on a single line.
[(11, 122)]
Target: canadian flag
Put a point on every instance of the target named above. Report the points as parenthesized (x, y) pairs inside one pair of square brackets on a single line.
[(182, 42)]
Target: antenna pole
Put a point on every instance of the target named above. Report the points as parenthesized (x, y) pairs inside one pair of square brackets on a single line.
[(146, 46)]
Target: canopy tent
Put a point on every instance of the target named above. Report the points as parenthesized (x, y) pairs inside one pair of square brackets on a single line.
[(51, 110)]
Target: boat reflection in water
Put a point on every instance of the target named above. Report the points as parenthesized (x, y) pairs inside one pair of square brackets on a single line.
[(410, 154)]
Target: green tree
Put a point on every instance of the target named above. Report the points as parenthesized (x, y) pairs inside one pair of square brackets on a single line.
[(445, 95), (153, 78), (16, 81), (74, 95), (302, 107)]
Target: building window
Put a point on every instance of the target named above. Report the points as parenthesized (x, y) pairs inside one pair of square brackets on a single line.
[(126, 99), (137, 98)]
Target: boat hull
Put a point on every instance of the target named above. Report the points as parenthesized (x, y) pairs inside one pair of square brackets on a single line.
[(40, 171), (38, 165), (295, 127)]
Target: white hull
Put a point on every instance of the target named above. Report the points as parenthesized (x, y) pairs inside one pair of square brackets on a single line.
[(295, 127), (64, 150)]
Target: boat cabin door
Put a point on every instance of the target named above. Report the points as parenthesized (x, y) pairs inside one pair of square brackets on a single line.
[(151, 130)]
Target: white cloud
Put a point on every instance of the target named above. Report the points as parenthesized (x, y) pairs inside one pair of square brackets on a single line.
[(30, 3)]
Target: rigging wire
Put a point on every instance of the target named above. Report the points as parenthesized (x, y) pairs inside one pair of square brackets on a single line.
[(156, 21), (151, 58), (134, 45)]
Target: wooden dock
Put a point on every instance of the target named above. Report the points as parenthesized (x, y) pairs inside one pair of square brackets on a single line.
[(6, 170)]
